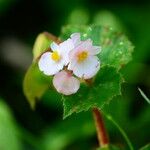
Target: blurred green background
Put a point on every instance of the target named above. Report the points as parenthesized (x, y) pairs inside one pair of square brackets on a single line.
[(43, 129)]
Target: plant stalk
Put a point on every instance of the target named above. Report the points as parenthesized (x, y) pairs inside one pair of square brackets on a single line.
[(100, 127), (121, 131)]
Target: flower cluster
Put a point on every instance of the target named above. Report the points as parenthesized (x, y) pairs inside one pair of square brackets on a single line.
[(70, 60)]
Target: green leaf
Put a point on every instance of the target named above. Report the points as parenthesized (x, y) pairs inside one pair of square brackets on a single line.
[(147, 147), (42, 44), (8, 130), (69, 29), (107, 84), (116, 52), (35, 84), (109, 147), (116, 48)]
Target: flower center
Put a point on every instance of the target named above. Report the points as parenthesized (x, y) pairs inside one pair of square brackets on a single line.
[(55, 56), (82, 56)]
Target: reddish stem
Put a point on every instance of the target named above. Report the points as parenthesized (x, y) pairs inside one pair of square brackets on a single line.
[(52, 37), (100, 127)]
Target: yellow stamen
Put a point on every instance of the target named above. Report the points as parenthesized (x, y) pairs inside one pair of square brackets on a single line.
[(55, 56), (82, 56)]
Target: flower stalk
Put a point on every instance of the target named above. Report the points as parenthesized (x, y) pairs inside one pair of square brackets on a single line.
[(100, 127)]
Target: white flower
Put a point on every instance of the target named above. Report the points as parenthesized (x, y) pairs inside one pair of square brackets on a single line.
[(52, 62), (65, 83), (79, 56), (83, 60)]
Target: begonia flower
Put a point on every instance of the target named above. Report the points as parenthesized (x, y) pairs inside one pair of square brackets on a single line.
[(52, 62), (83, 60)]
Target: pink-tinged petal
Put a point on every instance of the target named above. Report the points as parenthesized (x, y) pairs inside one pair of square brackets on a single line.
[(54, 46), (48, 66), (86, 69), (65, 83), (94, 50), (83, 46), (75, 37), (72, 64), (65, 48)]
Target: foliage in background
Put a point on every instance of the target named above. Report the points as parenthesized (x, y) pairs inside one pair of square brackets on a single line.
[(8, 129), (131, 111)]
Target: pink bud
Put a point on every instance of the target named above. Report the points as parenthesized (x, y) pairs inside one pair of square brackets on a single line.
[(65, 83)]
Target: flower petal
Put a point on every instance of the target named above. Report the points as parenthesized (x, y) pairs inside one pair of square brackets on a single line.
[(79, 48), (85, 45), (72, 64), (86, 69), (94, 50), (65, 48), (48, 66), (54, 46), (75, 37), (65, 83)]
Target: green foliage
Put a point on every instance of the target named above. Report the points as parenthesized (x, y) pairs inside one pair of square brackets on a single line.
[(67, 30), (109, 147), (130, 110), (107, 84), (8, 129), (35, 84), (116, 52), (41, 44), (116, 48)]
